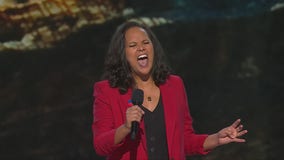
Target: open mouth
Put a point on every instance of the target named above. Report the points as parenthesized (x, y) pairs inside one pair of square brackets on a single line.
[(142, 60), (142, 57)]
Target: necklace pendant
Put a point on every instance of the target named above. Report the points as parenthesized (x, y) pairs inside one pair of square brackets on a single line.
[(149, 98)]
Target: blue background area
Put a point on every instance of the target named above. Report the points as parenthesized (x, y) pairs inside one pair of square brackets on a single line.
[(208, 9)]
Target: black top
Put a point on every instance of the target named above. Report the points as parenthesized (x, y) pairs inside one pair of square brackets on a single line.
[(156, 139)]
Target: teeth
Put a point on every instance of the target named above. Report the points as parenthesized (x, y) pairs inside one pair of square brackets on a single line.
[(142, 56)]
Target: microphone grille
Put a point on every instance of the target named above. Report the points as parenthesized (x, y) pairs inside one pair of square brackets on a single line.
[(137, 97)]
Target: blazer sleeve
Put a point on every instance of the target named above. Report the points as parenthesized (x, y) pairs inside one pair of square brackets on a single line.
[(103, 123), (193, 142)]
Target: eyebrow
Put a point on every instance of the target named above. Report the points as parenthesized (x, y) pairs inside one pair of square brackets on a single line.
[(132, 43)]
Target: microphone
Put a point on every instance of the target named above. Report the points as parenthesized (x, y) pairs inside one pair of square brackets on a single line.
[(137, 99)]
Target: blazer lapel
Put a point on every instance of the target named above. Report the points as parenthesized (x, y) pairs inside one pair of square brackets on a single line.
[(170, 115)]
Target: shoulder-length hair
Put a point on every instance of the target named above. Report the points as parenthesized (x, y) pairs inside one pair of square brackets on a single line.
[(117, 69)]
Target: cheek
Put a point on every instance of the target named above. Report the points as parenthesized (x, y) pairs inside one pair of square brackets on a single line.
[(130, 57), (151, 49), (152, 54), (127, 55)]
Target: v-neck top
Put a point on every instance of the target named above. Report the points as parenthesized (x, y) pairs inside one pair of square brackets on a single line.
[(156, 140)]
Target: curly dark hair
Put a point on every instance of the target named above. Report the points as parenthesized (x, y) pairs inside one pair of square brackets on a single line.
[(117, 69)]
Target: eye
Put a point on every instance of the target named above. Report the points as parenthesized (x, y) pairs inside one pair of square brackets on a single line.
[(132, 45), (146, 42)]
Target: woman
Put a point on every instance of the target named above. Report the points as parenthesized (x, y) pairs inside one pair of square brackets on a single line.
[(135, 61)]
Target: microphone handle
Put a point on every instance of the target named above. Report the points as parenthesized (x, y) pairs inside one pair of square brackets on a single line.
[(134, 129)]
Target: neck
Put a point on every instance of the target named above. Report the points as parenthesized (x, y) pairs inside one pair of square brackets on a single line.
[(144, 83)]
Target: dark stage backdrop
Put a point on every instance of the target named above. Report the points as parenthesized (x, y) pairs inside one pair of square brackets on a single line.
[(230, 56)]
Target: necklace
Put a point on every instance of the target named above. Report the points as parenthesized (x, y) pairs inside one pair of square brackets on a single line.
[(149, 98)]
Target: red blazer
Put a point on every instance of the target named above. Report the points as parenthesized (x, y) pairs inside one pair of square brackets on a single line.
[(109, 113)]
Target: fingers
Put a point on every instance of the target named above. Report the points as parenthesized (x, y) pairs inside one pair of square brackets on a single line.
[(232, 133), (236, 123), (133, 113), (239, 140), (239, 128), (242, 133)]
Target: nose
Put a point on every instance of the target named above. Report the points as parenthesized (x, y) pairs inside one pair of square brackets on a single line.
[(140, 47)]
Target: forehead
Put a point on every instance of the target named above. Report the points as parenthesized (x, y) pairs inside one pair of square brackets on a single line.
[(135, 33)]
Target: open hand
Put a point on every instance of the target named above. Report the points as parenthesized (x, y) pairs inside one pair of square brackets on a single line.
[(232, 133)]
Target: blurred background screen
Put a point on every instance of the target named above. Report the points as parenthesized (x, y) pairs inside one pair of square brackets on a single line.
[(229, 54)]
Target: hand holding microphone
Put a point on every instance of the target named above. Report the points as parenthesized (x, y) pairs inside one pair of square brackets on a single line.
[(135, 113)]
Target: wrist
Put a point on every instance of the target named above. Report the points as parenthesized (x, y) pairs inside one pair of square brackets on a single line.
[(211, 142), (126, 127)]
